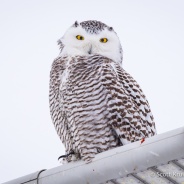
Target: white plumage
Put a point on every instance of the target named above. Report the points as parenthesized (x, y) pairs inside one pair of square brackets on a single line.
[(95, 104)]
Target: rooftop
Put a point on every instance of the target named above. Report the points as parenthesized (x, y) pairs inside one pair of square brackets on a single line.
[(159, 159)]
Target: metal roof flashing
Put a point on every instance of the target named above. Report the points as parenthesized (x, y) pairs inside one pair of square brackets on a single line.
[(131, 159), (28, 179)]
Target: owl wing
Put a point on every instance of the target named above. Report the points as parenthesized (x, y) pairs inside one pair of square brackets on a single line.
[(138, 98), (129, 111), (58, 115)]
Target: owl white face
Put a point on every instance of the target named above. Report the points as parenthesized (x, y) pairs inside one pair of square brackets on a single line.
[(77, 41)]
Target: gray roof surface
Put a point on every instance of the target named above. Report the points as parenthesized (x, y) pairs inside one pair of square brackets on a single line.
[(159, 159)]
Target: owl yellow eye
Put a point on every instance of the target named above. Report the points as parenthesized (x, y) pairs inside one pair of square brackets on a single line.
[(103, 40), (79, 37)]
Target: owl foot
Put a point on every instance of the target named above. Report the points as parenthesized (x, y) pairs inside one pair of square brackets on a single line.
[(67, 155), (67, 158)]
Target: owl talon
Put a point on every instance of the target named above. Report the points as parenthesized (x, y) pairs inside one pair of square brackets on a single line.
[(67, 155)]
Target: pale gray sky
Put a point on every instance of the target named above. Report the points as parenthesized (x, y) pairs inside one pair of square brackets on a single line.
[(151, 33)]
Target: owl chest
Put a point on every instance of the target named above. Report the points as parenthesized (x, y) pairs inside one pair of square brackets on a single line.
[(81, 87), (78, 76)]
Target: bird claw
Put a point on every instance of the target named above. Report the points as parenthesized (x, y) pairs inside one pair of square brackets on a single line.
[(67, 155)]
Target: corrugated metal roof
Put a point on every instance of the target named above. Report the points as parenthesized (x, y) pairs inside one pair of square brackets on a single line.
[(160, 159), (173, 172)]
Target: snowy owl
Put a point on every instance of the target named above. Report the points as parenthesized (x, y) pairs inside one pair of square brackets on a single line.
[(95, 104)]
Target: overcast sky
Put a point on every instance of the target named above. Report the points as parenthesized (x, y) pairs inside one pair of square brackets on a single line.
[(151, 33)]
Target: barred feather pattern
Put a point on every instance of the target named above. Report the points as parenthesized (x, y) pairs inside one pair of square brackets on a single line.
[(96, 105)]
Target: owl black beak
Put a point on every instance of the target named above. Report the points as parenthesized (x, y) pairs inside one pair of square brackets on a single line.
[(90, 50)]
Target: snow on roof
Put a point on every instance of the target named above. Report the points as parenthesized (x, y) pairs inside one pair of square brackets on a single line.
[(159, 159)]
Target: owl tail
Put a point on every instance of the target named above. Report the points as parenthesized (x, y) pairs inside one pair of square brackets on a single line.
[(87, 156)]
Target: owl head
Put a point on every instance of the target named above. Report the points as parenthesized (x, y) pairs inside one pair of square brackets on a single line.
[(91, 37)]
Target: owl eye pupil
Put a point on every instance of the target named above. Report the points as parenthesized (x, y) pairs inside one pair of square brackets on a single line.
[(103, 40), (79, 37)]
